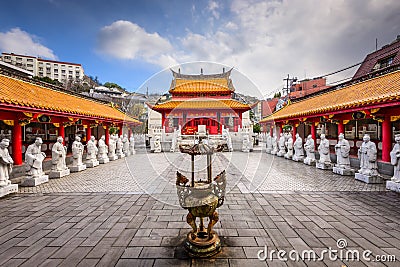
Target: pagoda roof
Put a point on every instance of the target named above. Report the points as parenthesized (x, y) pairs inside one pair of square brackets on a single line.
[(382, 90), (202, 83), (202, 104), (23, 96)]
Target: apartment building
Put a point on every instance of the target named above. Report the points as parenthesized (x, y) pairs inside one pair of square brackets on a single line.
[(56, 70)]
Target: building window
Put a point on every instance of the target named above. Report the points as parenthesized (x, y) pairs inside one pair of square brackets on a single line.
[(29, 65), (70, 72), (29, 60), (7, 57), (62, 71), (383, 63), (55, 70), (19, 58), (40, 68), (55, 75)]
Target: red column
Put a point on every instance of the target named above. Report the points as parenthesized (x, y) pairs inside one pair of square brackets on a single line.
[(162, 120), (386, 139), (314, 134), (61, 131), (129, 131), (340, 128), (280, 129), (271, 131), (88, 133), (107, 134), (17, 143), (294, 132), (120, 129)]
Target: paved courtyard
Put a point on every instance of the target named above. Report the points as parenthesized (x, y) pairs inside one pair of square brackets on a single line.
[(125, 213)]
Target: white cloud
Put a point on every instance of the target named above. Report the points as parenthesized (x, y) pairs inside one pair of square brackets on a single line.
[(267, 40), (127, 40), (20, 42), (213, 7)]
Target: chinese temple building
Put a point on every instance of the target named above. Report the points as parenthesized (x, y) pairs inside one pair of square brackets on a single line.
[(30, 109), (204, 99)]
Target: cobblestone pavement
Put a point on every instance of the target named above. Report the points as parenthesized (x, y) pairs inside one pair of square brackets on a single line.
[(125, 213)]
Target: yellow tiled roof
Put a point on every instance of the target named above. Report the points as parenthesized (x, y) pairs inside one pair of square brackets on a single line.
[(20, 93), (202, 104), (201, 86), (374, 91)]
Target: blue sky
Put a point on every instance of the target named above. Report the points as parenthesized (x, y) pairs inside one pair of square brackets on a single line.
[(127, 42)]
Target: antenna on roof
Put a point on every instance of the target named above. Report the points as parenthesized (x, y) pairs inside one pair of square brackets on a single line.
[(223, 70), (179, 70), (201, 71)]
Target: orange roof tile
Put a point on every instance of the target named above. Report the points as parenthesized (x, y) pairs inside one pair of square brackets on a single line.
[(20, 93), (202, 104), (374, 91), (201, 86)]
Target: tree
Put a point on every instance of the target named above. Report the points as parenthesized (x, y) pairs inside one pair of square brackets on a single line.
[(112, 85), (256, 128), (277, 95)]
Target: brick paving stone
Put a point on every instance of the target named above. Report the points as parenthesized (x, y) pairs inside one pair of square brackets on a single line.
[(94, 218)]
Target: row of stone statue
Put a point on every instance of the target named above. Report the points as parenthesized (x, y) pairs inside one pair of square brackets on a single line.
[(118, 147), (367, 154)]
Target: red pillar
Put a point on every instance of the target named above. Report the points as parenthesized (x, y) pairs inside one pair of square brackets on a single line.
[(129, 131), (17, 143), (314, 134), (294, 132), (88, 133), (162, 120), (107, 134), (271, 131), (280, 129), (120, 129), (340, 128), (386, 139), (61, 131)]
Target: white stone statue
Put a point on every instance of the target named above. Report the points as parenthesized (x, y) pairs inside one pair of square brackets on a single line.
[(274, 145), (112, 146), (6, 163), (289, 146), (103, 150), (269, 144), (367, 154), (227, 137), (298, 149), (157, 143), (246, 143), (58, 155), (395, 159), (309, 147), (282, 147), (342, 150), (119, 150), (323, 149), (92, 151), (77, 154), (34, 159), (125, 145), (132, 145)]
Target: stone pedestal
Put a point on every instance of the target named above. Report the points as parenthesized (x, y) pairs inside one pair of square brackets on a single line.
[(268, 150), (30, 181), (393, 186), (113, 157), (78, 168), (120, 156), (309, 161), (92, 163), (280, 154), (9, 189), (104, 161), (323, 166), (343, 171), (296, 158), (369, 179), (286, 156), (59, 174), (273, 152), (202, 247)]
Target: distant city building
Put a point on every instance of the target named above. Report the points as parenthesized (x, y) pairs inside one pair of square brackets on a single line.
[(56, 70), (306, 87), (388, 57)]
